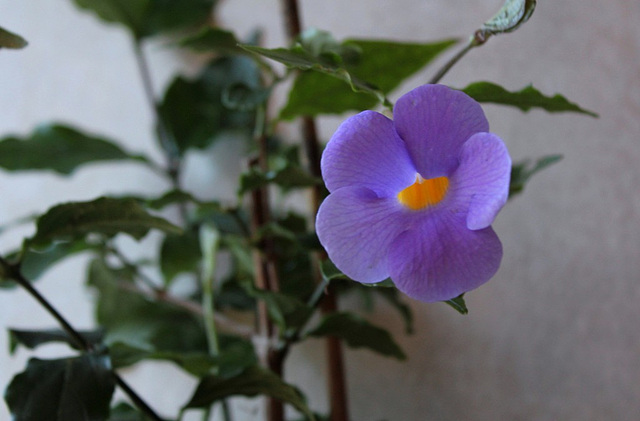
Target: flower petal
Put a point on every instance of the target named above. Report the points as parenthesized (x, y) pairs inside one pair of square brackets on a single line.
[(434, 121), (356, 229), (366, 151), (481, 183), (440, 258)]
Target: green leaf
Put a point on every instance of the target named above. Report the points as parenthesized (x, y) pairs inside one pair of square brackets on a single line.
[(382, 64), (330, 271), (58, 148), (34, 262), (524, 99), (458, 304), (134, 319), (242, 97), (179, 254), (358, 333), (286, 311), (11, 40), (106, 216), (290, 177), (251, 382), (34, 338), (523, 171), (194, 111), (235, 355), (214, 39), (70, 389), (125, 412), (171, 198), (510, 17), (149, 17)]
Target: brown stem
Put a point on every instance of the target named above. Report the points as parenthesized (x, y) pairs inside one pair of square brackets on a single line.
[(337, 381)]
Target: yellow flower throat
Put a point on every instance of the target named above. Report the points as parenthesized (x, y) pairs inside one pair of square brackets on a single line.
[(424, 193)]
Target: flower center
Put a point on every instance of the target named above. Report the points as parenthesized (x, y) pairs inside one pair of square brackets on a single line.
[(424, 193)]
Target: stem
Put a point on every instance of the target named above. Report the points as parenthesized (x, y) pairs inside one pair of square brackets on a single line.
[(12, 272), (168, 143), (474, 41), (337, 381)]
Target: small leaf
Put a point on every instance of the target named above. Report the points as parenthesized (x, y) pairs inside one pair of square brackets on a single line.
[(523, 171), (125, 412), (330, 271), (513, 14), (381, 64), (171, 198), (34, 338), (62, 390), (11, 40), (149, 17), (179, 254), (242, 97), (358, 333), (193, 109), (287, 312), (34, 263), (106, 216), (58, 148), (524, 99), (251, 382), (290, 177), (458, 304), (134, 319)]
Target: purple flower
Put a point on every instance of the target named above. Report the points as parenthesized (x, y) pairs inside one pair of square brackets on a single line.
[(413, 198)]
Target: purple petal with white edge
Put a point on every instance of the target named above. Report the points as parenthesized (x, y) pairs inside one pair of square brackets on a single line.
[(366, 151), (356, 229), (434, 121), (480, 185), (440, 258)]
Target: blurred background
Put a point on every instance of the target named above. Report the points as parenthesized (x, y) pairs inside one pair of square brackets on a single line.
[(554, 336)]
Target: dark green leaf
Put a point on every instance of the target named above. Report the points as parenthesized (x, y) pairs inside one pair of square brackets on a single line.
[(178, 254), (523, 171), (524, 99), (287, 312), (149, 17), (513, 14), (171, 198), (290, 177), (58, 148), (125, 412), (241, 97), (130, 13), (34, 338), (70, 389), (458, 304), (74, 220), (193, 109), (381, 64), (36, 262), (330, 271), (11, 40), (235, 355), (132, 318), (214, 39), (251, 382), (357, 333)]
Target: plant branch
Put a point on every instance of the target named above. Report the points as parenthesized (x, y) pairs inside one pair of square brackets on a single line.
[(337, 382), (474, 41), (13, 272)]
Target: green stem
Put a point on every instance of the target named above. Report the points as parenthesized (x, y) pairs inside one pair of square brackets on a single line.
[(476, 40), (209, 242), (13, 272), (168, 143)]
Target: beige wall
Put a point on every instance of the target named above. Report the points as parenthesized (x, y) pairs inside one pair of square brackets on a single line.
[(554, 336)]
